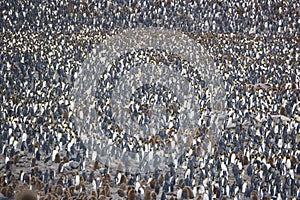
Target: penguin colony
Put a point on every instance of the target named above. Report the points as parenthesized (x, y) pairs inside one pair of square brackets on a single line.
[(255, 45)]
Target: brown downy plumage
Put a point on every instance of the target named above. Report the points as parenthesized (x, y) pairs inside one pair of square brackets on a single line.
[(189, 192), (2, 182), (106, 178), (283, 111), (92, 197), (71, 190), (67, 194), (123, 179), (33, 162), (270, 161), (14, 182), (294, 86), (219, 106), (143, 182), (199, 197), (82, 196), (245, 160), (57, 158), (7, 191), (59, 190), (65, 159), (94, 193), (52, 188), (129, 188), (16, 159), (99, 190), (262, 79), (39, 185), (153, 195), (147, 195), (181, 183), (25, 195), (152, 183), (96, 165), (102, 197), (293, 161), (254, 195), (107, 190), (131, 195), (26, 178)]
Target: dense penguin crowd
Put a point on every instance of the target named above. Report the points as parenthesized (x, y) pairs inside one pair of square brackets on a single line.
[(255, 46)]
